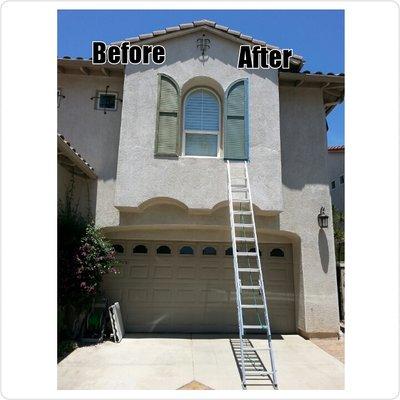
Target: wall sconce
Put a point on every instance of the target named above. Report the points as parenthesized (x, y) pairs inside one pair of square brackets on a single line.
[(59, 97), (322, 219)]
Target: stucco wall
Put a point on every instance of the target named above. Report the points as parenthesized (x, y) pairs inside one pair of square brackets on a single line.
[(83, 193), (335, 170), (305, 191), (95, 135), (199, 183), (288, 168)]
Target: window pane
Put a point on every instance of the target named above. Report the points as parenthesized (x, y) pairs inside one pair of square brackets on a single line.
[(229, 251), (107, 101), (186, 250), (277, 253), (140, 249), (201, 111), (163, 250), (118, 248), (201, 145), (209, 251)]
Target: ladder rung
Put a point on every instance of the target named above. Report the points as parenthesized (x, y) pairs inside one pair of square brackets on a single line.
[(252, 306), (250, 287), (243, 225), (258, 373), (237, 212), (255, 326), (239, 189), (240, 200), (256, 349), (248, 269), (245, 239), (246, 254)]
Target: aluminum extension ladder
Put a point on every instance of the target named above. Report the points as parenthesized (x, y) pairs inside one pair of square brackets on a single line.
[(249, 284)]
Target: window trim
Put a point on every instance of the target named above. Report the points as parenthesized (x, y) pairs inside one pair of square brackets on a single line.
[(217, 133), (99, 93)]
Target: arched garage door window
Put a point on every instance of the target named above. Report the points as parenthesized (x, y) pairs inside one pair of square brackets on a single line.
[(201, 135)]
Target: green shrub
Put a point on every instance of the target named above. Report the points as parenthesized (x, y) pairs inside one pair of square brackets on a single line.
[(84, 257)]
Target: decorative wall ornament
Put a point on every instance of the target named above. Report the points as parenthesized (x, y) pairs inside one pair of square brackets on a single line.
[(203, 44), (106, 107)]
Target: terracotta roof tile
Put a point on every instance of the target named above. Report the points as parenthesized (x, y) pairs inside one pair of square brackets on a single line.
[(297, 60), (334, 149)]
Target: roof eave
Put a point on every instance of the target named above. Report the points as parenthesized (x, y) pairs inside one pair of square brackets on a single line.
[(224, 32), (332, 85), (77, 161)]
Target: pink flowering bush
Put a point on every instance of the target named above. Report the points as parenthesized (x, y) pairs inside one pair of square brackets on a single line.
[(94, 258), (84, 256), (82, 263)]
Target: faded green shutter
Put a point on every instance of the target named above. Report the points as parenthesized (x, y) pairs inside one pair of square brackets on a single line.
[(167, 129), (236, 132)]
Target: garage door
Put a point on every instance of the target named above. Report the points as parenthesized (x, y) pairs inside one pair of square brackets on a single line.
[(189, 287)]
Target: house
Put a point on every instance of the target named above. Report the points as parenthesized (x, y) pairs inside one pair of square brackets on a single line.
[(336, 176), (158, 137)]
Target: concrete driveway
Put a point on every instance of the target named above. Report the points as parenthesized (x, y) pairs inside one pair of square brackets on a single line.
[(152, 361)]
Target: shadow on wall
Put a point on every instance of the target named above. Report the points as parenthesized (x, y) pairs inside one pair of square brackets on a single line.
[(303, 138), (323, 250)]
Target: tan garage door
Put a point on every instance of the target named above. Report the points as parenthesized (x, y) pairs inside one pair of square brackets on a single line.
[(162, 290)]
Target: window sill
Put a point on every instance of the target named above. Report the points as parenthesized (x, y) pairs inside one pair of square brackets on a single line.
[(207, 157)]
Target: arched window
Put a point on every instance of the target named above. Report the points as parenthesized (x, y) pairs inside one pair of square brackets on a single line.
[(229, 251), (277, 253), (140, 249), (118, 248), (186, 250), (209, 251), (163, 250), (201, 125), (253, 250)]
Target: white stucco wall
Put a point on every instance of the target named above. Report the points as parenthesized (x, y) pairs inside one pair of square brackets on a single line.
[(305, 191), (199, 183), (94, 135), (335, 170)]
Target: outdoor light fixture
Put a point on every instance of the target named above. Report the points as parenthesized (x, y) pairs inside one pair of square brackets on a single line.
[(59, 97), (322, 219)]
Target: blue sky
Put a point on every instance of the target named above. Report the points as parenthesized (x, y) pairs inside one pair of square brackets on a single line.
[(316, 35)]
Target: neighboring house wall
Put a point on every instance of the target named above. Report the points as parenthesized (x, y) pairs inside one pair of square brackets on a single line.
[(335, 172), (94, 134), (198, 183), (305, 191)]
